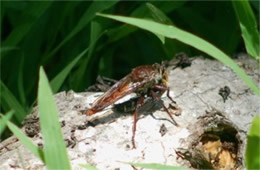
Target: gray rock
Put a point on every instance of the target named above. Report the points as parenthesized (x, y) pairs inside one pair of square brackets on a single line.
[(106, 144)]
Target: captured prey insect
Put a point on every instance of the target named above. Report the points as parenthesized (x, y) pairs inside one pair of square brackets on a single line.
[(147, 80)]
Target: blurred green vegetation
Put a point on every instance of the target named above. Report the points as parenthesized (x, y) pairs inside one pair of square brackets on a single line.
[(253, 145), (74, 45)]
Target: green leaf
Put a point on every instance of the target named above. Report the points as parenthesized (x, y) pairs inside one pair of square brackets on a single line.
[(95, 34), (115, 34), (24, 139), (6, 49), (20, 88), (35, 9), (171, 46), (141, 11), (161, 38), (88, 167), (90, 13), (155, 166), (169, 6), (58, 80), (158, 15), (55, 152), (253, 145), (206, 20), (12, 102), (248, 26), (173, 32), (8, 116)]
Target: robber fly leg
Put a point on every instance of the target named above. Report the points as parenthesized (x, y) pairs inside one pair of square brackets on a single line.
[(164, 107), (163, 88), (168, 95), (140, 101)]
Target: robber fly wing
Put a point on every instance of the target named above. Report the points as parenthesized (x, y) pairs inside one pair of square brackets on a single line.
[(117, 91), (133, 82)]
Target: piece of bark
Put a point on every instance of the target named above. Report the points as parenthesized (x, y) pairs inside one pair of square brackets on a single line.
[(106, 142)]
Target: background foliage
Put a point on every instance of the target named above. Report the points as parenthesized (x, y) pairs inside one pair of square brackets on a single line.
[(74, 45)]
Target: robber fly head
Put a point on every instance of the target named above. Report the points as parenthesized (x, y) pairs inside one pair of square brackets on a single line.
[(162, 75)]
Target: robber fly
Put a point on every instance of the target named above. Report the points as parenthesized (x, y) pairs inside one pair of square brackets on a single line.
[(147, 80)]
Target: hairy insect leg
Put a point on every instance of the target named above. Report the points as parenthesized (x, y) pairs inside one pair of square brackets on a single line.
[(163, 88), (168, 95), (140, 101), (164, 107)]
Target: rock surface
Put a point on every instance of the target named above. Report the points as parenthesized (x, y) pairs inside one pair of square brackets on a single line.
[(107, 143)]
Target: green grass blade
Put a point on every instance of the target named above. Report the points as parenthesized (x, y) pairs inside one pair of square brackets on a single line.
[(24, 139), (118, 33), (58, 80), (95, 34), (17, 34), (88, 167), (7, 49), (248, 26), (115, 34), (155, 166), (8, 116), (253, 145), (55, 152), (158, 15), (12, 102), (90, 13), (187, 38), (20, 31), (20, 86)]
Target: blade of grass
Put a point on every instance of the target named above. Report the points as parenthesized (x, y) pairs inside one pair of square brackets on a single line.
[(8, 116), (6, 49), (248, 26), (12, 102), (24, 139), (58, 80), (66, 12), (187, 38), (88, 167), (20, 31), (155, 166), (171, 46), (95, 34), (55, 152), (253, 145), (120, 32), (20, 86), (158, 15), (141, 11), (96, 6)]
